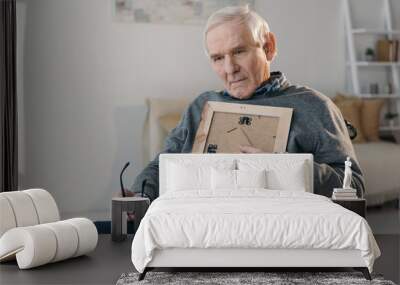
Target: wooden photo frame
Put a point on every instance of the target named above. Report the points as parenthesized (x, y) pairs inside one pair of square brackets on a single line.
[(224, 127)]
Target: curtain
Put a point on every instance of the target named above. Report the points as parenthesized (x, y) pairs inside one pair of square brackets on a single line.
[(8, 97)]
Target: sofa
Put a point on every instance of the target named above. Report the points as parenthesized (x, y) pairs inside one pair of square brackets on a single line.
[(379, 160)]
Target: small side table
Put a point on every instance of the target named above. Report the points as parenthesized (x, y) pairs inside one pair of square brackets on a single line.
[(121, 205), (358, 206), (396, 135)]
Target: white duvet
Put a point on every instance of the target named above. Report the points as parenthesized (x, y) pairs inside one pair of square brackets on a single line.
[(253, 218)]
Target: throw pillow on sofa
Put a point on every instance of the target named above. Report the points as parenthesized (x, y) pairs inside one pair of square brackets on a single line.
[(370, 118), (351, 111), (363, 114)]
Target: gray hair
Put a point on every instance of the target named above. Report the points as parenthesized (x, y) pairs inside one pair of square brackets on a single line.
[(257, 25)]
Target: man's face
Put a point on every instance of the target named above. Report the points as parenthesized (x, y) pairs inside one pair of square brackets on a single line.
[(239, 61)]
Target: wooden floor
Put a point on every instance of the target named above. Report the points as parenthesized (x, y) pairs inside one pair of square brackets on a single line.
[(110, 260), (385, 224), (384, 220), (102, 266)]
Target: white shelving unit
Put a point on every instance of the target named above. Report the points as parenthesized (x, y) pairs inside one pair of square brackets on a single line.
[(356, 65), (386, 128), (375, 63), (379, 95), (375, 31)]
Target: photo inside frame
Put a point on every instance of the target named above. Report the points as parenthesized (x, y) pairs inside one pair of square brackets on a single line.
[(225, 127), (228, 131)]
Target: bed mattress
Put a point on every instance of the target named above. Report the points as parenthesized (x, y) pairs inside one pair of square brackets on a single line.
[(250, 219)]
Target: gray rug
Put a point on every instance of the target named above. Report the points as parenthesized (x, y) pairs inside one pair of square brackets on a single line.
[(269, 278)]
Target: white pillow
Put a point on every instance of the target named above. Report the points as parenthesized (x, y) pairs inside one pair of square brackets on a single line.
[(237, 179), (251, 178), (293, 180), (183, 177), (193, 173), (223, 179), (281, 174)]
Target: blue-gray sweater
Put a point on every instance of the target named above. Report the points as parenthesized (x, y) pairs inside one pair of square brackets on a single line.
[(317, 127)]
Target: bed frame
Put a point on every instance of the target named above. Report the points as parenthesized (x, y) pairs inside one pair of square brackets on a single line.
[(245, 258)]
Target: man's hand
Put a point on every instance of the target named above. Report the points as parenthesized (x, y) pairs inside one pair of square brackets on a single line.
[(249, 149), (129, 193)]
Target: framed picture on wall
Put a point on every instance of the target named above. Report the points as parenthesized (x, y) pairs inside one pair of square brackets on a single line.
[(224, 127)]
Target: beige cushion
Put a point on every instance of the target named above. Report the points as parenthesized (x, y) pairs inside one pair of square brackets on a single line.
[(362, 114), (370, 118), (169, 121), (153, 132), (351, 111)]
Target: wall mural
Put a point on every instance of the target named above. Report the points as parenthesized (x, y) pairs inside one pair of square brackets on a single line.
[(184, 12)]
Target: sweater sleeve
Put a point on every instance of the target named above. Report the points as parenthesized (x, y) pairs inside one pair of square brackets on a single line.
[(179, 140), (331, 147)]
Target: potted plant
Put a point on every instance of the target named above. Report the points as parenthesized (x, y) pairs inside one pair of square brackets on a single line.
[(390, 117), (369, 54)]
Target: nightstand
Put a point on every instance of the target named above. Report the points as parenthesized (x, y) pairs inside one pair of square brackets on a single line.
[(358, 206), (121, 205)]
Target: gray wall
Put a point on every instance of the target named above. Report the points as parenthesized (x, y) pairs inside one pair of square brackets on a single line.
[(85, 79)]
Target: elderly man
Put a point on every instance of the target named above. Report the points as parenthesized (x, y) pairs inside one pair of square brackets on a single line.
[(241, 49)]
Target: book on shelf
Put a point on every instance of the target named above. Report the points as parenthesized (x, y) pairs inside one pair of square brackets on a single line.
[(344, 190), (344, 197), (344, 194), (387, 50)]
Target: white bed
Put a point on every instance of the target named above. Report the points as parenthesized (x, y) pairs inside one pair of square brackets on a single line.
[(201, 225)]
